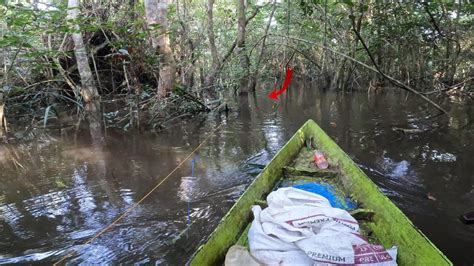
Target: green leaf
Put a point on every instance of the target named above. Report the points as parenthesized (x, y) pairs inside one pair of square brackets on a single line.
[(348, 2), (26, 45)]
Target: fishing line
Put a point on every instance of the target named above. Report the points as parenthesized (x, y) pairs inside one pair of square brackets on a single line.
[(118, 219)]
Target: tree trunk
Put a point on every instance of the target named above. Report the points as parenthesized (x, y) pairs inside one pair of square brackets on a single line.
[(156, 16), (88, 89), (131, 12), (214, 72), (253, 79), (189, 53), (3, 121), (212, 42), (241, 50)]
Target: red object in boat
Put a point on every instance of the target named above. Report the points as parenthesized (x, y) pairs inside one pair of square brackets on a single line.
[(320, 160)]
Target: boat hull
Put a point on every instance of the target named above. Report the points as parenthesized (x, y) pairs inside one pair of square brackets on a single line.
[(389, 224)]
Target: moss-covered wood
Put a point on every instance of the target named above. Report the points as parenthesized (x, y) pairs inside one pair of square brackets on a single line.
[(362, 214), (236, 220), (309, 172), (389, 225)]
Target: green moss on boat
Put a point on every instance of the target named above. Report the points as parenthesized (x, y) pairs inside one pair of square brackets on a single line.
[(389, 225)]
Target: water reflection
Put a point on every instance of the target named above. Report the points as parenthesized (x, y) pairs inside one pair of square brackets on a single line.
[(190, 188), (69, 187)]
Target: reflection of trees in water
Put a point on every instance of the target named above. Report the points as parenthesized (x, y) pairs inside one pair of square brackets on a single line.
[(94, 117), (46, 217), (31, 216), (245, 119), (460, 116), (192, 188), (98, 168)]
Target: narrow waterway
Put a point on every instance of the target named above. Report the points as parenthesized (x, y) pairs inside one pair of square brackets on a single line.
[(61, 189)]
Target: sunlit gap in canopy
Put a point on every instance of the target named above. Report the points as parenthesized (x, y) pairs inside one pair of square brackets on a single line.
[(46, 5)]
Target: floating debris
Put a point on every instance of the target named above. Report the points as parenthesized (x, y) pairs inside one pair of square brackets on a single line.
[(468, 218), (430, 196), (437, 156)]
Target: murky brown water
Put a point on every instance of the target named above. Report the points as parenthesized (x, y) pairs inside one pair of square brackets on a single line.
[(65, 187)]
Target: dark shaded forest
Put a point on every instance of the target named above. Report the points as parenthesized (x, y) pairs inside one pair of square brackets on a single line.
[(168, 60)]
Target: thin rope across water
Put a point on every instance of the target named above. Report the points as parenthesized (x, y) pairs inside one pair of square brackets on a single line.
[(118, 219)]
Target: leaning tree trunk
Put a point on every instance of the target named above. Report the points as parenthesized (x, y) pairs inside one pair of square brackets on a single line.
[(156, 16), (3, 121), (241, 50), (88, 89), (253, 79)]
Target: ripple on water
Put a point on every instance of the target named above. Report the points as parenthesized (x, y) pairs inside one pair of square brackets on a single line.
[(434, 155), (34, 256), (81, 234)]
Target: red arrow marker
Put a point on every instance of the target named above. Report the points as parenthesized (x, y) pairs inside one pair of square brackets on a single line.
[(275, 93)]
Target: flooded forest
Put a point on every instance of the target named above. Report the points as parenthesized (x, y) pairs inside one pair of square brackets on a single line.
[(129, 128)]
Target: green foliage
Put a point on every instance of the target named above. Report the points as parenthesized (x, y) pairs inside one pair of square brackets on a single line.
[(416, 42)]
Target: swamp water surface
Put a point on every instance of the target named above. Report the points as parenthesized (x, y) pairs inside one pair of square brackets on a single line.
[(63, 189)]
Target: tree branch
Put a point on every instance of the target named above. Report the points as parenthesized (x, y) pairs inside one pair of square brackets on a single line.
[(255, 12), (400, 84)]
